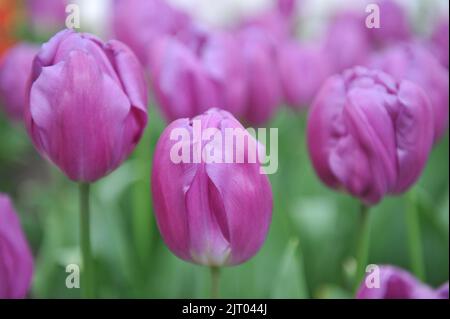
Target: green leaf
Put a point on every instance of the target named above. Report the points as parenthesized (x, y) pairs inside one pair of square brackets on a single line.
[(290, 280)]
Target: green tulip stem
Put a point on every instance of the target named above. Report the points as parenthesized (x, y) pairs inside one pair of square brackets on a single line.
[(363, 243), (87, 273), (414, 236), (215, 280)]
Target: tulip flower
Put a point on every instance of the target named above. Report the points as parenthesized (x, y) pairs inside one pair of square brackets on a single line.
[(87, 111), (303, 69), (346, 41), (197, 71), (390, 282), (16, 260), (181, 85), (15, 70), (394, 24), (210, 213), (263, 84), (138, 23), (439, 42), (87, 104), (369, 134), (413, 62), (46, 16)]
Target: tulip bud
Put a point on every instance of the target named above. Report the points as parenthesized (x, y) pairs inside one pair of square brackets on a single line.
[(414, 63), (303, 69), (46, 16), (439, 42), (87, 104), (210, 212), (139, 23), (394, 25), (389, 282), (16, 260), (346, 42), (263, 83), (369, 134), (15, 70), (181, 86)]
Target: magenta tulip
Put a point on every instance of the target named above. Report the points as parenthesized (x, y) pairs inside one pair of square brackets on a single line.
[(15, 70), (46, 16), (303, 69), (439, 42), (346, 42), (181, 85), (394, 24), (263, 83), (413, 62), (369, 134), (87, 104), (16, 260), (208, 212), (390, 282), (138, 23), (222, 62)]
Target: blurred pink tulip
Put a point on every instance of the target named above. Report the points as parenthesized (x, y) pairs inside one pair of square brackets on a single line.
[(411, 61), (138, 23), (396, 283), (439, 42), (16, 260), (15, 71), (303, 69)]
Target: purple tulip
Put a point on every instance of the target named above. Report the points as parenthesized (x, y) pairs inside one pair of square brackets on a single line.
[(15, 70), (225, 67), (263, 84), (210, 213), (369, 134), (16, 260), (46, 16), (396, 283), (138, 23), (439, 42), (346, 41), (181, 85), (303, 69), (87, 104), (413, 62), (394, 24)]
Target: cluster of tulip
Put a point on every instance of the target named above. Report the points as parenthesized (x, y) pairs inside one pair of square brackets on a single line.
[(377, 102)]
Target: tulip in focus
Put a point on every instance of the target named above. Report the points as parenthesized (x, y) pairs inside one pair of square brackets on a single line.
[(16, 260), (369, 134), (303, 69), (87, 104), (210, 213), (414, 63), (396, 283), (15, 70)]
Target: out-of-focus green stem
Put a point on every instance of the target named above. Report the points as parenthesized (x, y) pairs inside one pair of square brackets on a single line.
[(215, 280), (363, 243), (414, 236), (87, 275)]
